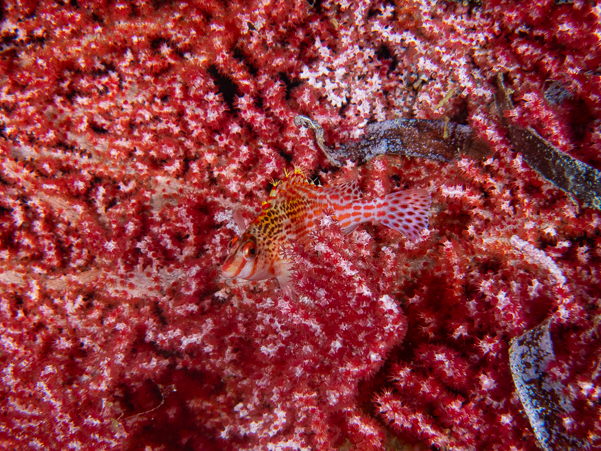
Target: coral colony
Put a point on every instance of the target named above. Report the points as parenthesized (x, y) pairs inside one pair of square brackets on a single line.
[(134, 133)]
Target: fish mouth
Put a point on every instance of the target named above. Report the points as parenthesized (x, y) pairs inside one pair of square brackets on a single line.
[(227, 272), (228, 269)]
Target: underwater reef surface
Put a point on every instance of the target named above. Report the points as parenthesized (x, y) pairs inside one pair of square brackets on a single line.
[(131, 131)]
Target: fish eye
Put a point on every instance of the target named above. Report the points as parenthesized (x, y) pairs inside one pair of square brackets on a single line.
[(249, 251)]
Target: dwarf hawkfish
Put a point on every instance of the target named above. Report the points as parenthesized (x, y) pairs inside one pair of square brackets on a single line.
[(294, 209)]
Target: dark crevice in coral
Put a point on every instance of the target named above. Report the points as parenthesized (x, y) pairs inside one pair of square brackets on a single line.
[(74, 150), (385, 55), (156, 42), (71, 92), (372, 12), (96, 17), (290, 84), (316, 5), (158, 4), (285, 155), (226, 86), (491, 265), (158, 313), (98, 128), (343, 108), (462, 114), (395, 180), (579, 117), (240, 56)]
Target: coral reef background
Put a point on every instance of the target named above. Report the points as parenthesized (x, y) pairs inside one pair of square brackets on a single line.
[(129, 131)]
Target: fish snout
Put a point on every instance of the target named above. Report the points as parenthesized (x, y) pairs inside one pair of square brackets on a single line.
[(228, 268)]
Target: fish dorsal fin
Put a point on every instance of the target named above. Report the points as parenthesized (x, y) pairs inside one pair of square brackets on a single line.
[(343, 193), (296, 177)]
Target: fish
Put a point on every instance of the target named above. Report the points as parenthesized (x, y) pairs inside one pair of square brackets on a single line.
[(294, 210)]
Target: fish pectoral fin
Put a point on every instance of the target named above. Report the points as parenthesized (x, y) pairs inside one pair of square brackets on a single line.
[(284, 275)]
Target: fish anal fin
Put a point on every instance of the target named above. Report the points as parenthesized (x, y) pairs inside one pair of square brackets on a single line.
[(350, 228)]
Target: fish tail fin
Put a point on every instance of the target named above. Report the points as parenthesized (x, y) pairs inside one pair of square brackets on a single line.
[(405, 211)]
